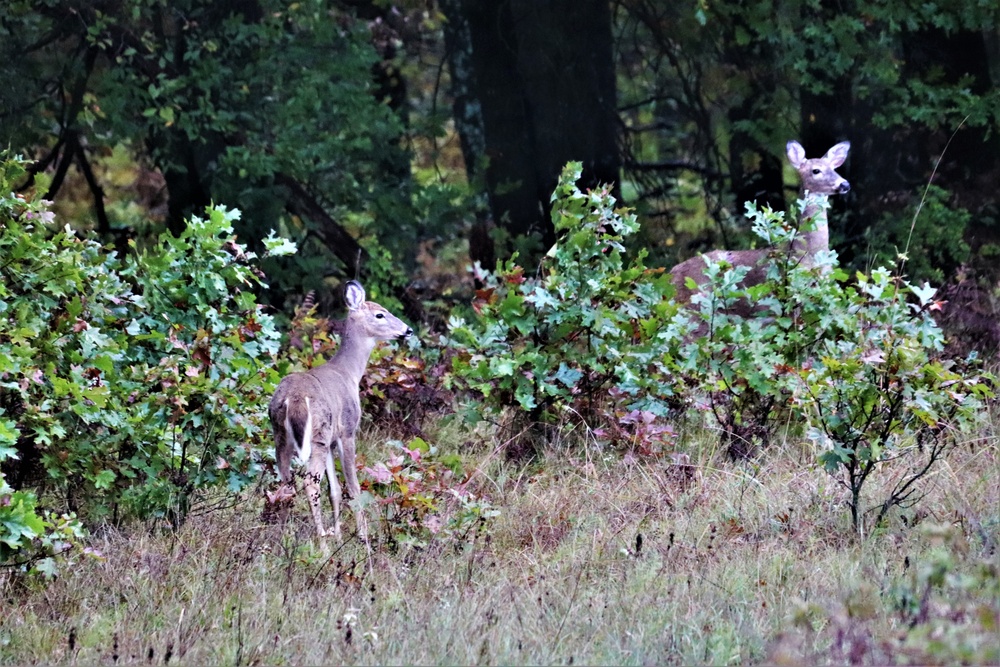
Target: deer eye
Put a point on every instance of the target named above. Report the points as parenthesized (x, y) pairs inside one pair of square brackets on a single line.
[(379, 316), (815, 170)]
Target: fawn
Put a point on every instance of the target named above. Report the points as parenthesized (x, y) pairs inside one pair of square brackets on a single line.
[(315, 415)]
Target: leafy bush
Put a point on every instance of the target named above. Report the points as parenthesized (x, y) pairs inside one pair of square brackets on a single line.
[(31, 538), (857, 362), (584, 334), (744, 341), (126, 385), (422, 495), (882, 396)]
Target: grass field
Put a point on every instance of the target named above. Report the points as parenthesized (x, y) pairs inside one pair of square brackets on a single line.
[(595, 558)]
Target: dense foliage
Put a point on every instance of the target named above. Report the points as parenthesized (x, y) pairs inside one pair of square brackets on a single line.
[(588, 326), (856, 361), (266, 104), (128, 384), (331, 120)]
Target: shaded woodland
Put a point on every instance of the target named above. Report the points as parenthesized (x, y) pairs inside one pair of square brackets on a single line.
[(416, 138)]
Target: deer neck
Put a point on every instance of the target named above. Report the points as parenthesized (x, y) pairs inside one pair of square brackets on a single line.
[(814, 231), (352, 356)]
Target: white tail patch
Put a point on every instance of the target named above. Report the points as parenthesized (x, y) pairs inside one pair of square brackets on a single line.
[(305, 448)]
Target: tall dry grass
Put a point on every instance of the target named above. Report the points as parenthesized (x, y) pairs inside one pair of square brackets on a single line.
[(595, 559)]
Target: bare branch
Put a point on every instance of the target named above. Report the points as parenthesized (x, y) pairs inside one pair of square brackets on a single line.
[(303, 203)]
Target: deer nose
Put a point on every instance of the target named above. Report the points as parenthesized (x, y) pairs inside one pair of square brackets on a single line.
[(843, 188), (407, 333)]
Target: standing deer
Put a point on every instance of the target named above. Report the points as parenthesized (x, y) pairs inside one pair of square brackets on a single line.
[(315, 411), (819, 181)]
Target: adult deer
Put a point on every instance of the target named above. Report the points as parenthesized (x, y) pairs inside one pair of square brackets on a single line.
[(316, 414), (819, 180)]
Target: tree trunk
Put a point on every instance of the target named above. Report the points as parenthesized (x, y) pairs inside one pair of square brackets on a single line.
[(755, 171), (468, 115), (543, 75)]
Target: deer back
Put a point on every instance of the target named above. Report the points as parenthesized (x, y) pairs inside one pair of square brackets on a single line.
[(819, 180), (333, 388)]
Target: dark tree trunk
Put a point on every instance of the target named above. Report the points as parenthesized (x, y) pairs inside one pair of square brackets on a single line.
[(468, 115), (542, 73), (755, 171), (188, 190)]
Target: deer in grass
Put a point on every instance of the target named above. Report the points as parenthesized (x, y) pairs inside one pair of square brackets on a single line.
[(315, 415), (819, 180)]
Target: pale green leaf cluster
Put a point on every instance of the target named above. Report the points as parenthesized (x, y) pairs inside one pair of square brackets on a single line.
[(134, 383), (589, 325)]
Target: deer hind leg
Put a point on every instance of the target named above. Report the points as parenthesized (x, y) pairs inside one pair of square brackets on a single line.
[(288, 445), (347, 457), (278, 503), (283, 454), (315, 471)]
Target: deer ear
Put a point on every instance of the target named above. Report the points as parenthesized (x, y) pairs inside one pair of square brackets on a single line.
[(354, 294), (836, 155), (796, 154)]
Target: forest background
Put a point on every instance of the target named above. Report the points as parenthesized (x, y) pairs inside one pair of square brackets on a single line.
[(406, 132), (416, 146)]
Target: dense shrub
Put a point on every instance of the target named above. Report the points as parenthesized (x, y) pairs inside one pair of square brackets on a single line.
[(859, 361), (127, 385), (580, 339)]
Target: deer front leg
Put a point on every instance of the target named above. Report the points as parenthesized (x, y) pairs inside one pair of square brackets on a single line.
[(331, 475), (347, 461)]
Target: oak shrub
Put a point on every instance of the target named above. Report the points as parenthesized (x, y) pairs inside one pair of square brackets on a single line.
[(595, 337), (128, 385)]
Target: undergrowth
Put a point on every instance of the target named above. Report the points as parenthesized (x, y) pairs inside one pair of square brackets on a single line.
[(681, 559)]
